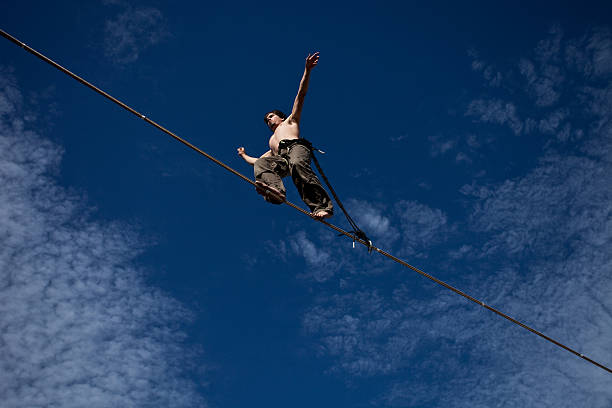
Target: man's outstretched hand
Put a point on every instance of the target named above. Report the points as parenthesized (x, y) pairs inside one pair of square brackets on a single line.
[(312, 60)]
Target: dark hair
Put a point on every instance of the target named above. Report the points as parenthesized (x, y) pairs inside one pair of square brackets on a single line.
[(280, 114)]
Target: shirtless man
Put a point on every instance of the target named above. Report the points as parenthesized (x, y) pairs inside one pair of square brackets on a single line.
[(290, 154)]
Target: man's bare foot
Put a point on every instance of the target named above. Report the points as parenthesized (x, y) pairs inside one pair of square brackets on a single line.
[(269, 193), (322, 214)]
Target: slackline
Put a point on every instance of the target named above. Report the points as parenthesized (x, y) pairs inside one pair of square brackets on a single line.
[(353, 237)]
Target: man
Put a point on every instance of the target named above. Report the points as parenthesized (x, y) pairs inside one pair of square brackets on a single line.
[(290, 154)]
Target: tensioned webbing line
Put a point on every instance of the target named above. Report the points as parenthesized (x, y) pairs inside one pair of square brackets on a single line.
[(337, 229)]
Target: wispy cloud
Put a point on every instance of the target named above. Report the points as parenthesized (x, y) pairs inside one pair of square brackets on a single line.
[(491, 75), (497, 112), (464, 148), (371, 217), (80, 327), (421, 227), (399, 138), (404, 227), (591, 54), (535, 246), (545, 78), (320, 261), (440, 146), (544, 85), (553, 122), (132, 31)]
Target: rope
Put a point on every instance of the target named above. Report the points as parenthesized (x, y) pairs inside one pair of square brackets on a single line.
[(356, 230), (337, 229)]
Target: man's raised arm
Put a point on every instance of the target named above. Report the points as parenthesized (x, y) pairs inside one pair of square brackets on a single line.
[(311, 62)]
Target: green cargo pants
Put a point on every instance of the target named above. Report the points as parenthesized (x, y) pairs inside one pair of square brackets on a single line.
[(294, 158)]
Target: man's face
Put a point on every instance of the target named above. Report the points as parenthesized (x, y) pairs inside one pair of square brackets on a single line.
[(273, 120)]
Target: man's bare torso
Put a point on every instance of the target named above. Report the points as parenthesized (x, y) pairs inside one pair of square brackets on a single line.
[(287, 130)]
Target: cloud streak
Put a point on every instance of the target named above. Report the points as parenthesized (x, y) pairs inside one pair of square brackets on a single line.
[(131, 32), (497, 112), (79, 325), (536, 247)]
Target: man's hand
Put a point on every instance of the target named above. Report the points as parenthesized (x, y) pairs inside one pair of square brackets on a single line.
[(246, 157), (312, 61)]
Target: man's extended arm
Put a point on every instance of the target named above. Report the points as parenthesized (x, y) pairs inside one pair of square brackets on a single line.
[(311, 62), (249, 159)]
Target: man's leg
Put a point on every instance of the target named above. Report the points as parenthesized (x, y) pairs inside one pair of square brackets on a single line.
[(269, 170), (307, 182)]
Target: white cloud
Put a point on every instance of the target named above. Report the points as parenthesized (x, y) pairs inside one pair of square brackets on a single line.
[(440, 146), (462, 158), (320, 261), (460, 252), (80, 327), (399, 138), (545, 79), (491, 75), (548, 50), (370, 217), (552, 122), (591, 54), (421, 228), (537, 247), (406, 228), (131, 32), (543, 85), (497, 112), (600, 47), (464, 149)]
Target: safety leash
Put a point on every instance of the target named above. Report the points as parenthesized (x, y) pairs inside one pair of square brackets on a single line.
[(356, 230)]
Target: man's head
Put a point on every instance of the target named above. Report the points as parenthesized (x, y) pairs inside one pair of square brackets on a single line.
[(274, 118)]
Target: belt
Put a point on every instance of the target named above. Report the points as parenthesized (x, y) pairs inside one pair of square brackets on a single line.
[(288, 143)]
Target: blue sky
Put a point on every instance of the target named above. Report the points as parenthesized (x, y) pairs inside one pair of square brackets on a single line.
[(473, 140)]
